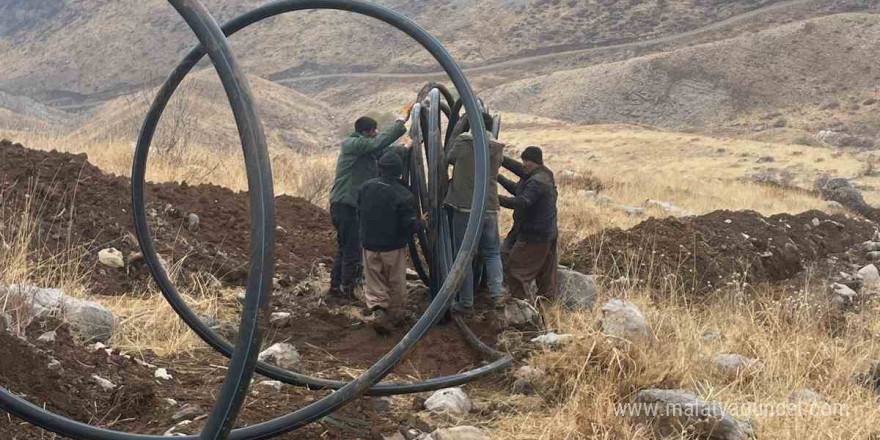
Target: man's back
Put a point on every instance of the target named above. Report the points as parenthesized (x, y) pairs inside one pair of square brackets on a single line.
[(460, 194), (387, 213)]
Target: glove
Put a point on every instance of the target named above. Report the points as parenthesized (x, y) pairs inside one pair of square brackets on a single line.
[(407, 110)]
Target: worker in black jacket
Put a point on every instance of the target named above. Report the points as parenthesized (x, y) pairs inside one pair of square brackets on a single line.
[(388, 219), (529, 251)]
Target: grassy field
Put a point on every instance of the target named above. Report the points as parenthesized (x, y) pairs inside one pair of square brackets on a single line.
[(584, 380)]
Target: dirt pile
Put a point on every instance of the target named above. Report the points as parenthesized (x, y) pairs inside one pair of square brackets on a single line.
[(60, 376), (707, 252), (81, 210)]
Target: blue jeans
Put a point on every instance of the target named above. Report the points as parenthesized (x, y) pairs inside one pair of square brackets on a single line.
[(489, 250)]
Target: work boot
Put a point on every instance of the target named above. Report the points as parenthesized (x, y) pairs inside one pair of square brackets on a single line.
[(499, 302), (379, 320), (462, 310)]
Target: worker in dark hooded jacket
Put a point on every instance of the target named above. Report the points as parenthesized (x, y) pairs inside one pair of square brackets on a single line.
[(356, 164), (388, 220), (459, 199), (529, 251)]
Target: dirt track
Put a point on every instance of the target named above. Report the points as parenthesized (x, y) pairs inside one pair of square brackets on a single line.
[(524, 61)]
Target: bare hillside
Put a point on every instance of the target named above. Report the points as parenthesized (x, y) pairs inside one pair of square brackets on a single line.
[(200, 114), (64, 50), (23, 113), (808, 63)]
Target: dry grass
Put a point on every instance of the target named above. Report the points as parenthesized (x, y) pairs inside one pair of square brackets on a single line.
[(586, 378)]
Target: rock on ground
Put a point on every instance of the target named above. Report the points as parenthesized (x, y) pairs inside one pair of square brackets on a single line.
[(452, 400), (91, 320), (805, 395), (623, 319), (521, 315), (458, 433), (280, 319), (552, 339), (735, 363), (527, 380), (680, 411), (576, 290), (282, 354), (843, 294), (188, 412), (111, 257)]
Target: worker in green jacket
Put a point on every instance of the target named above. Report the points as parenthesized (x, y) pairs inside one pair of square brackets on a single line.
[(357, 163)]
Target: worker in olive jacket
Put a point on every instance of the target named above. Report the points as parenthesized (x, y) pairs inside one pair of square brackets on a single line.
[(356, 164)]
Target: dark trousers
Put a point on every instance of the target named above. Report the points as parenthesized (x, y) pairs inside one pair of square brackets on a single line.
[(527, 262), (348, 265)]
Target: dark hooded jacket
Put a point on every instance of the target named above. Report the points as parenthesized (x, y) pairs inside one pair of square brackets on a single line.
[(387, 209), (533, 204)]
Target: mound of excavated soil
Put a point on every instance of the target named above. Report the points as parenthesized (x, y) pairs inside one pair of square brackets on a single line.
[(80, 208), (706, 252)]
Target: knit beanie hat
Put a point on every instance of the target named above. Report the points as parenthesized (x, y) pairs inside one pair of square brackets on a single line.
[(533, 154), (391, 164)]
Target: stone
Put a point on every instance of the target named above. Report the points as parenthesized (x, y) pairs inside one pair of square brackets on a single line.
[(452, 400), (527, 380), (843, 295), (162, 373), (633, 211), (280, 319), (805, 395), (241, 296), (6, 323), (779, 178), (680, 414), (282, 354), (766, 159), (832, 205), (382, 404), (55, 365), (873, 256), (712, 334), (111, 257), (91, 320), (47, 337), (735, 363), (623, 319), (105, 384), (840, 190), (552, 339), (576, 291), (521, 315), (272, 385), (459, 433), (188, 412), (816, 222), (844, 140), (192, 222), (870, 246), (870, 274)]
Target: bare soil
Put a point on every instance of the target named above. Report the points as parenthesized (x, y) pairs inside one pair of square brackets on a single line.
[(707, 252), (82, 210)]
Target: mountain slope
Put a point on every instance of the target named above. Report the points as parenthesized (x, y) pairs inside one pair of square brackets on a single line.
[(801, 63), (200, 114), (62, 50)]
